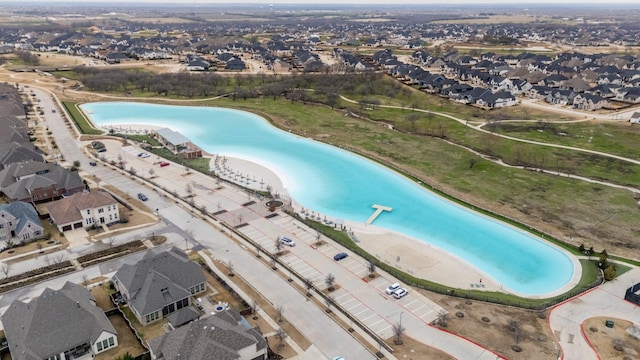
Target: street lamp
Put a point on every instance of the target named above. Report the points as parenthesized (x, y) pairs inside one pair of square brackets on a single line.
[(400, 325)]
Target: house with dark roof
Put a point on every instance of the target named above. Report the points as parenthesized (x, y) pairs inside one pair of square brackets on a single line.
[(18, 151), (59, 324), (635, 118), (590, 102), (159, 284), (226, 336), (19, 222), (46, 186), (84, 210)]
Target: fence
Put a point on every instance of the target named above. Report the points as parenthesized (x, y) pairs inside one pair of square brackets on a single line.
[(631, 294)]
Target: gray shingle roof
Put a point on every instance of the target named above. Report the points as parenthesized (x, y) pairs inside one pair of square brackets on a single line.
[(217, 337), (53, 322), (145, 279), (25, 212)]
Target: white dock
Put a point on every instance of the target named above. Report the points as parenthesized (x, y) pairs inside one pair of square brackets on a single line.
[(379, 209)]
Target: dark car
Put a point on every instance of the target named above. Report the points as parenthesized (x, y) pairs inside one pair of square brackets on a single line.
[(102, 149), (164, 163), (93, 163), (142, 197), (340, 256)]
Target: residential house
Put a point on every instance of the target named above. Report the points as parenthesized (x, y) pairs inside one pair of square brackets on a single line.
[(11, 101), (18, 151), (590, 102), (84, 210), (60, 324), (178, 143), (227, 335), (19, 222), (159, 284), (635, 118), (629, 95), (496, 100), (45, 186)]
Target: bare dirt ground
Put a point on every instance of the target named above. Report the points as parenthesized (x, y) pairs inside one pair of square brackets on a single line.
[(489, 325), (612, 343)]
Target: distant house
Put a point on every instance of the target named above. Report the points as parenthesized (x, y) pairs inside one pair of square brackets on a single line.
[(224, 336), (590, 102), (635, 118), (19, 220), (159, 284), (84, 210), (178, 143), (235, 65), (497, 100), (60, 324)]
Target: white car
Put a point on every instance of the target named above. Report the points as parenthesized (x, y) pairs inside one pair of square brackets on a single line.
[(400, 293), (392, 288), (143, 155), (285, 240)]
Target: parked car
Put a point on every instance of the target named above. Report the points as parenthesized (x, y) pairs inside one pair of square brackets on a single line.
[(285, 240), (143, 155), (340, 256), (393, 287), (338, 358), (164, 163), (400, 293), (53, 110), (102, 149), (142, 197), (93, 163)]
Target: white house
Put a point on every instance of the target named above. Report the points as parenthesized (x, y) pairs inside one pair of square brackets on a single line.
[(84, 210), (19, 223), (635, 118), (60, 324)]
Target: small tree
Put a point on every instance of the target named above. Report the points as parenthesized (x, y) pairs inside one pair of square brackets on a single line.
[(230, 268), (610, 272), (398, 331), (308, 284), (5, 268), (329, 302), (371, 268), (581, 249), (330, 280), (278, 246), (279, 313), (281, 335)]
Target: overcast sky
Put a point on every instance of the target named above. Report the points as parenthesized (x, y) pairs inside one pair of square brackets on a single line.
[(390, 2)]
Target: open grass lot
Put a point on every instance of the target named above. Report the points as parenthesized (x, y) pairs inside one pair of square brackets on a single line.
[(618, 138)]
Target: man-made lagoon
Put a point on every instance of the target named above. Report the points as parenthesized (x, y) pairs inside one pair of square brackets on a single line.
[(332, 181)]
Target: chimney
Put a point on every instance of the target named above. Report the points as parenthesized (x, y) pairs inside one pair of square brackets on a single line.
[(78, 303)]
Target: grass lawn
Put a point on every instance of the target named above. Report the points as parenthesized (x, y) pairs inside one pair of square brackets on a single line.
[(146, 332), (80, 120), (127, 342)]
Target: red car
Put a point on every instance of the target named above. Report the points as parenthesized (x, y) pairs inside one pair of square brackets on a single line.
[(164, 163)]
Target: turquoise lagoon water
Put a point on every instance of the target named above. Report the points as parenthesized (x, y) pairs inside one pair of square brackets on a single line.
[(343, 185)]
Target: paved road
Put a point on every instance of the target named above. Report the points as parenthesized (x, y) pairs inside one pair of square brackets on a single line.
[(607, 300)]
